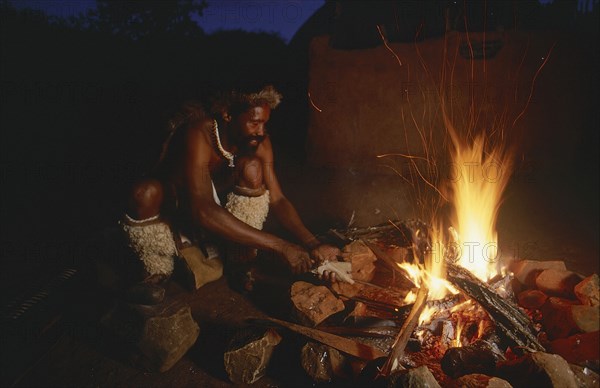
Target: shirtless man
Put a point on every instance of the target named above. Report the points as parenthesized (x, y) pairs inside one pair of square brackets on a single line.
[(201, 152)]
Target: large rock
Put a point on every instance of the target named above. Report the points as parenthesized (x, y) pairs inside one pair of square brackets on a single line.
[(313, 304), (322, 363), (586, 378), (362, 259), (556, 317), (526, 271), (538, 370), (196, 269), (588, 291), (249, 354), (160, 334), (578, 348), (480, 381), (557, 282), (420, 377)]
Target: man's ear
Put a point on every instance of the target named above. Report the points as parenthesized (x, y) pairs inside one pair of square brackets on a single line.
[(226, 116)]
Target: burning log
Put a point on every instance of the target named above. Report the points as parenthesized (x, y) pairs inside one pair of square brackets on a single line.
[(513, 323), (249, 354), (345, 345), (393, 362), (390, 263)]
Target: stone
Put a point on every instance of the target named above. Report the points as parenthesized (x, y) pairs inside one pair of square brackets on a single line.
[(588, 291), (476, 380), (557, 282), (538, 369), (322, 363), (420, 377), (577, 348), (526, 271), (249, 354), (478, 358), (159, 335), (313, 304), (586, 318), (362, 259), (586, 378), (532, 299), (557, 318), (196, 269)]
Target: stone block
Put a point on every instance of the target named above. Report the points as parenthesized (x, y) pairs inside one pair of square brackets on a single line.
[(588, 291), (362, 259), (532, 299), (160, 335), (578, 348), (313, 304), (527, 270), (480, 381), (538, 369), (420, 377), (323, 363), (557, 282), (249, 354)]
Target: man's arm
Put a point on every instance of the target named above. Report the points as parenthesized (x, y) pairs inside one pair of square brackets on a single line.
[(209, 215), (285, 211)]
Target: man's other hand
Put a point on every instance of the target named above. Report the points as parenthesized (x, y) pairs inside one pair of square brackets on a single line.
[(325, 252)]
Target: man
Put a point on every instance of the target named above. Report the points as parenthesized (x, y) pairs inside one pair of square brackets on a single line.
[(198, 156)]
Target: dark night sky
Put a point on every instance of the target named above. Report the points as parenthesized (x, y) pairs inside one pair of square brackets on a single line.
[(283, 17)]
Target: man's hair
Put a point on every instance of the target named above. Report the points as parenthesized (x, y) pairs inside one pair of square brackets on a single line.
[(238, 101)]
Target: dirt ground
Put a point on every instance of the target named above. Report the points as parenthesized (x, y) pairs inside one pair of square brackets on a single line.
[(540, 219)]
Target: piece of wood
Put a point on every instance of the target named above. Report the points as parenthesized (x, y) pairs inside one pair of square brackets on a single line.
[(512, 322), (392, 364), (313, 304), (389, 262), (353, 348)]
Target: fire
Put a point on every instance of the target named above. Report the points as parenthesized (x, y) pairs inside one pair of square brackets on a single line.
[(476, 185)]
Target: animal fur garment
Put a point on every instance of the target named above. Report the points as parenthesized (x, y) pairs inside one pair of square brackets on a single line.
[(153, 244), (251, 210)]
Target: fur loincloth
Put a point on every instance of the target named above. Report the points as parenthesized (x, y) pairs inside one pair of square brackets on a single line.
[(251, 210), (152, 243)]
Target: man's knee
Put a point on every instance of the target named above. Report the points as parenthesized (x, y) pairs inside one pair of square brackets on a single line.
[(145, 199)]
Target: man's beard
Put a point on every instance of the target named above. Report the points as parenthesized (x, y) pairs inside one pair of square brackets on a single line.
[(252, 141)]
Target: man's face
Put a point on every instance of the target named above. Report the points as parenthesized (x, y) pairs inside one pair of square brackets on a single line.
[(251, 126)]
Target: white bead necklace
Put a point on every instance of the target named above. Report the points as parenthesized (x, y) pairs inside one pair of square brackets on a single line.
[(226, 154)]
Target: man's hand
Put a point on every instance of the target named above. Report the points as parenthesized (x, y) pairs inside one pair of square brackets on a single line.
[(325, 252), (297, 258), (322, 253)]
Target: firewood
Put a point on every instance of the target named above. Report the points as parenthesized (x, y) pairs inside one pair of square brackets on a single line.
[(362, 259), (393, 361), (249, 354), (353, 348), (588, 291), (390, 263), (512, 323)]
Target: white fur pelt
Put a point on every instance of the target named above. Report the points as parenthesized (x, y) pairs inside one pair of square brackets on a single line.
[(153, 244), (251, 210)]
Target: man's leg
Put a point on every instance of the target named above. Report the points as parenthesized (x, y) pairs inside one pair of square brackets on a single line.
[(151, 240)]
